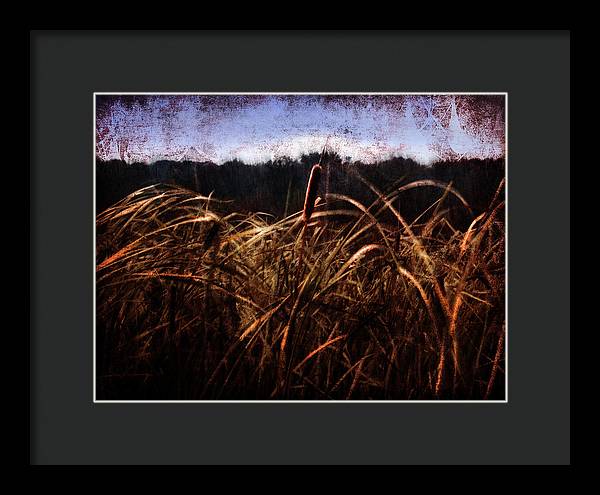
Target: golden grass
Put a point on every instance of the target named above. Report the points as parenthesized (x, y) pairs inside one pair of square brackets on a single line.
[(195, 302)]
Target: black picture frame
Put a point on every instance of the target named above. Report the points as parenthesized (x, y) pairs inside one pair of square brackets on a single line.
[(66, 427)]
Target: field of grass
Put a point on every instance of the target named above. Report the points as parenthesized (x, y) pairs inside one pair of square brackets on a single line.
[(348, 301)]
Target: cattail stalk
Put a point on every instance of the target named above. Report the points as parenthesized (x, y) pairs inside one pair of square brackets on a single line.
[(309, 205), (311, 193)]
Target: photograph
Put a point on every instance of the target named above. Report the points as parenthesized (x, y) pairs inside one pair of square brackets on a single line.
[(300, 247)]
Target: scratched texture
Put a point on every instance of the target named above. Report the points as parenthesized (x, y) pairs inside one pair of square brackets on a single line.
[(256, 128)]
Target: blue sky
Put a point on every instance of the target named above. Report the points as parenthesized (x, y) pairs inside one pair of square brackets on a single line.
[(256, 128)]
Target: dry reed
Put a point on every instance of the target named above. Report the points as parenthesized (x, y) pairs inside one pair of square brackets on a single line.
[(197, 302)]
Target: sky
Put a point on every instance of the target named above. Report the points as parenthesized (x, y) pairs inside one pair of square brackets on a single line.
[(258, 128)]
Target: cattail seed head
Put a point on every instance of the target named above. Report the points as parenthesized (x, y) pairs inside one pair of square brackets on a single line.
[(311, 192)]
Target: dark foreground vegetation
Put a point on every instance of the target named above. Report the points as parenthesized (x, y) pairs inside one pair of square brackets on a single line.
[(392, 289)]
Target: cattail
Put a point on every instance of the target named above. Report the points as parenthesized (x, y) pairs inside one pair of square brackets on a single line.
[(311, 192)]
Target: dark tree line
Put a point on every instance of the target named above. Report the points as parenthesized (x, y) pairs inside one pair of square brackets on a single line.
[(278, 187)]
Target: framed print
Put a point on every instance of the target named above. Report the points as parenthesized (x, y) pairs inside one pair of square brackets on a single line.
[(303, 247), (300, 247)]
